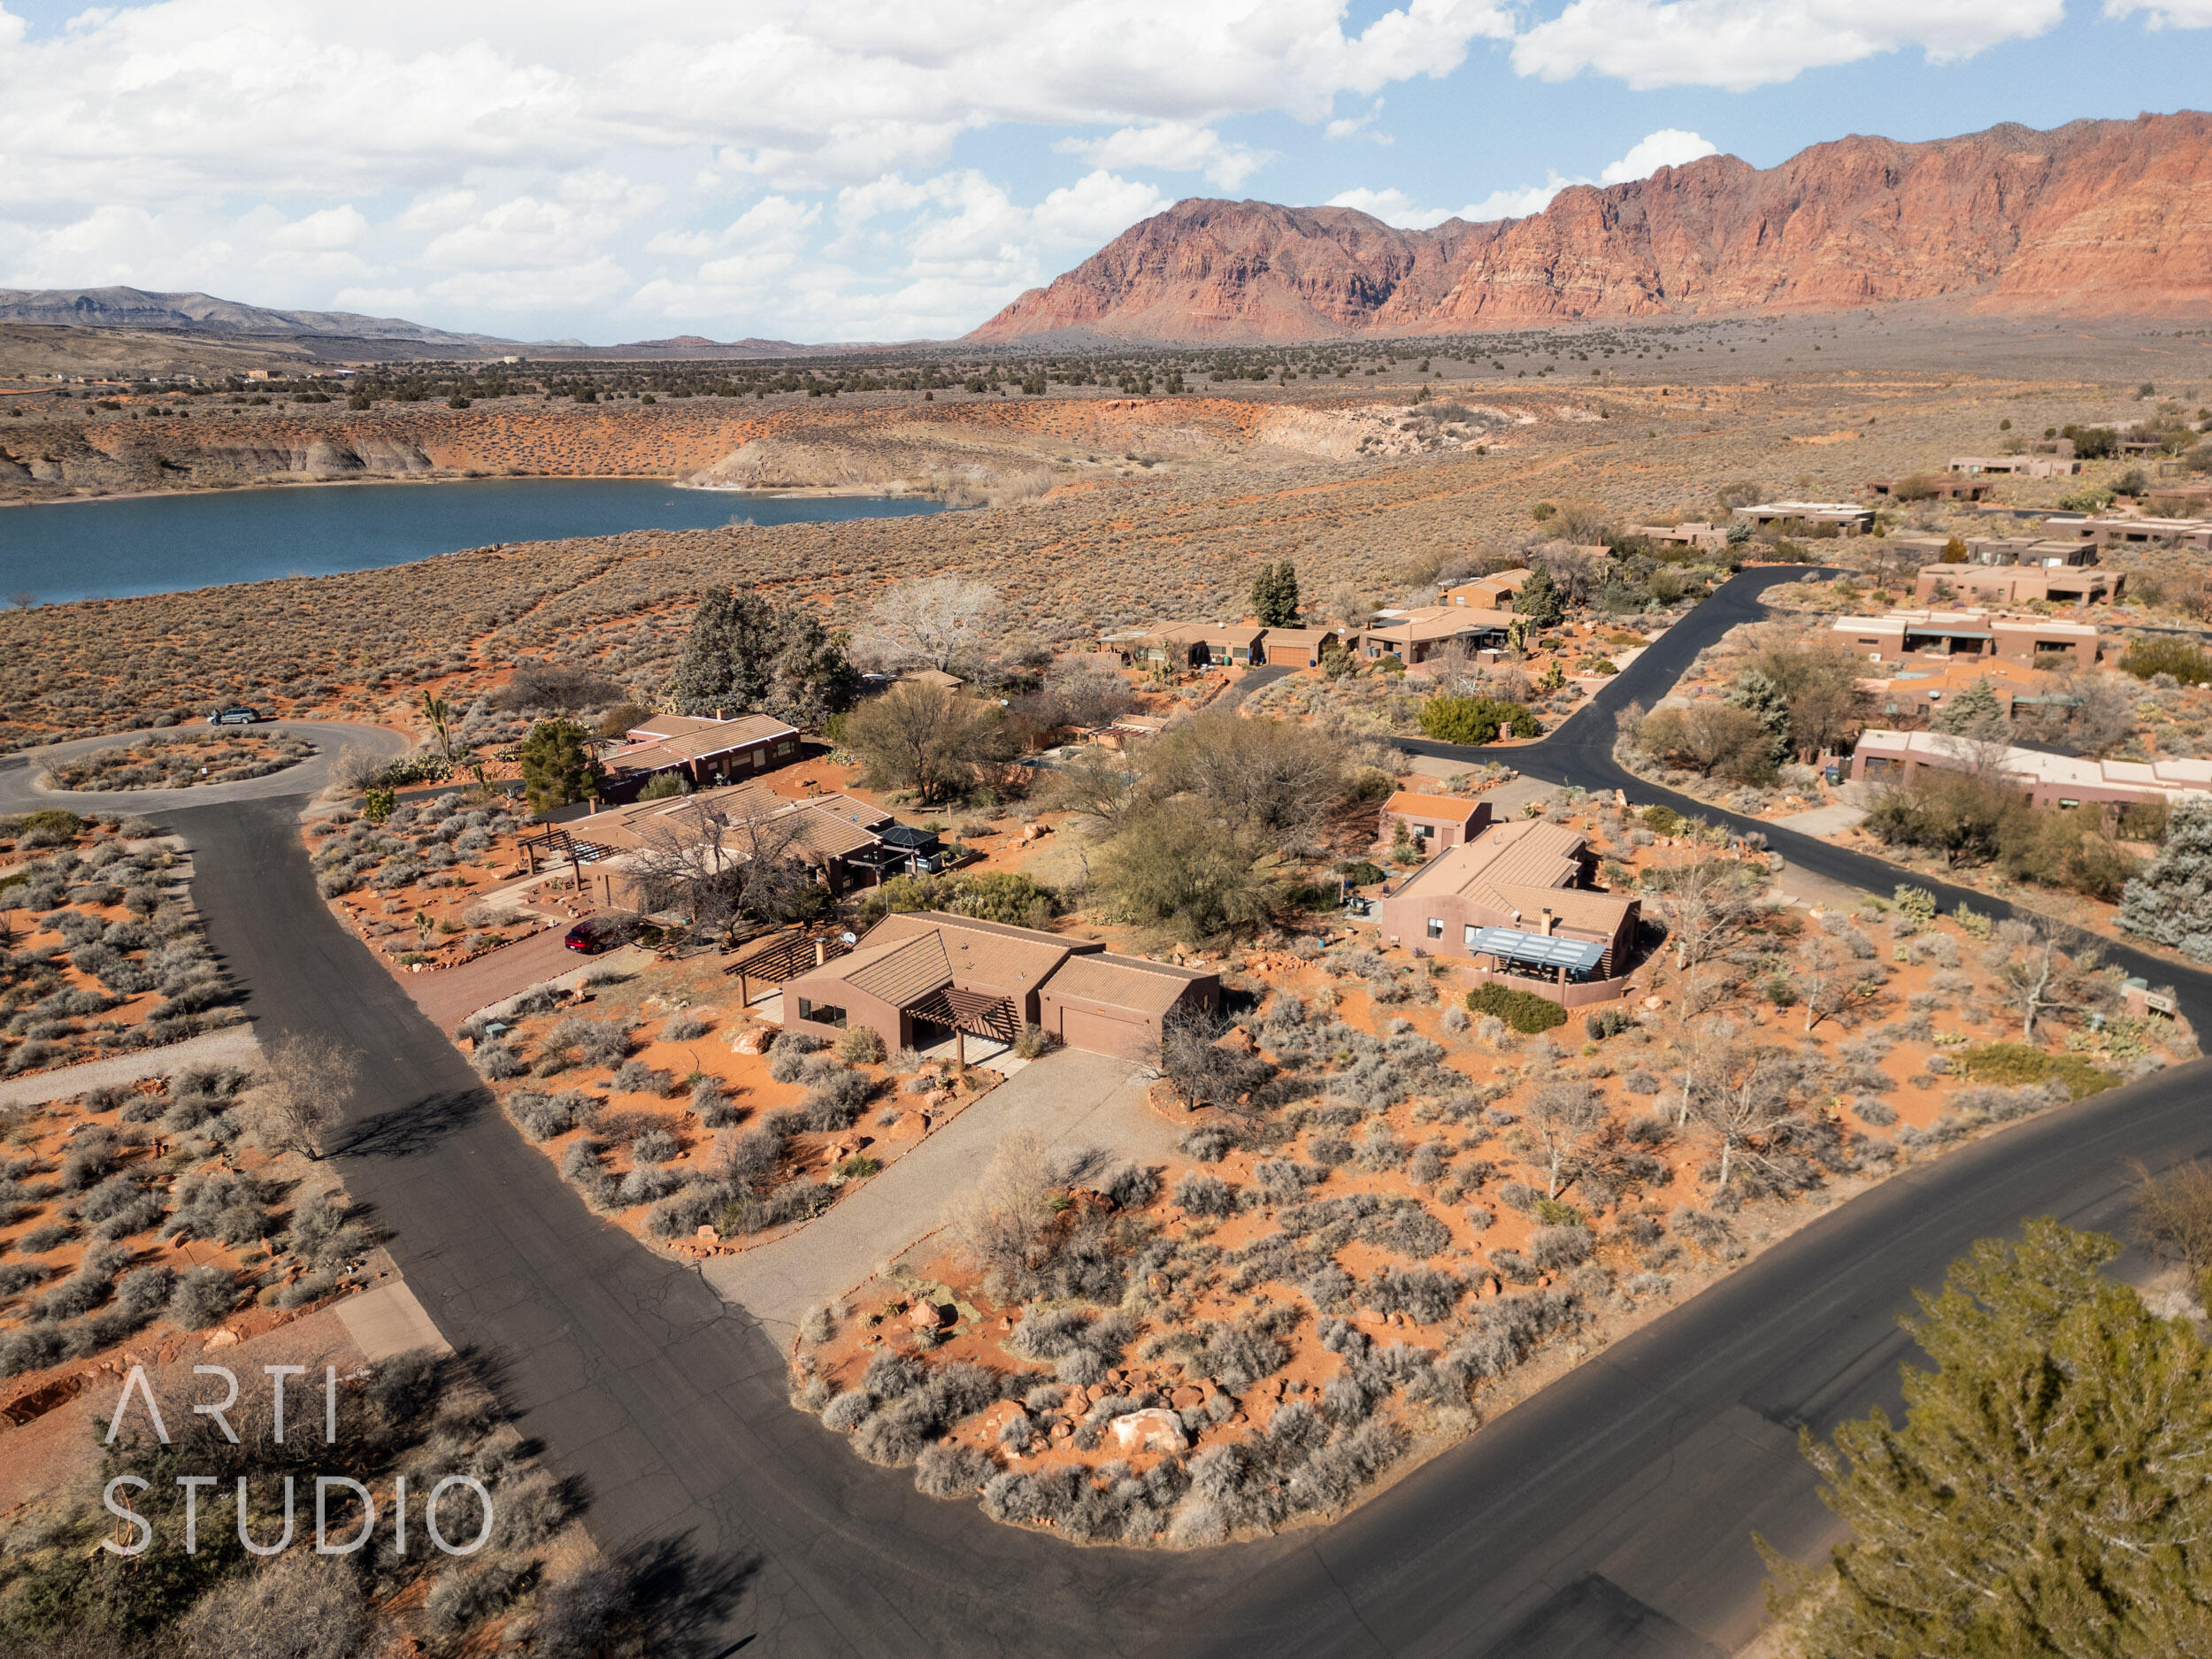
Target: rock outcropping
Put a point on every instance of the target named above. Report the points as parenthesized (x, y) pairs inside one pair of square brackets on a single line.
[(2093, 218)]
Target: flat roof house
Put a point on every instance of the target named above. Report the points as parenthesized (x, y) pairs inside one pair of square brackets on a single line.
[(1493, 592), (1434, 821), (1849, 517), (2039, 641), (703, 749), (2017, 465), (1513, 905), (2018, 584), (2178, 533), (833, 834), (1915, 690), (917, 978), (1200, 645), (1889, 756)]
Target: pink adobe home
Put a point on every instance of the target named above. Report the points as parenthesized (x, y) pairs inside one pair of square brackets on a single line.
[(1433, 821), (1513, 906), (917, 978)]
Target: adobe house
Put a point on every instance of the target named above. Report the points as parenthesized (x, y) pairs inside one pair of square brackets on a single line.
[(1914, 691), (1935, 488), (1922, 635), (920, 978), (1299, 647), (703, 751), (1513, 906), (834, 835), (2017, 465), (2018, 584), (2047, 781), (1845, 517), (1433, 821), (1494, 592), (1201, 645), (1414, 636)]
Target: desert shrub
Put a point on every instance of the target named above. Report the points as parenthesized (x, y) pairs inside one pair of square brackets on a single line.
[(1207, 1145), (687, 1025), (714, 1106), (596, 1041), (949, 1470), (2015, 1062), (635, 1076), (1874, 1110), (787, 1054), (1204, 1194), (860, 1045), (1034, 1042), (1553, 1248), (1423, 1294), (544, 1116), (1523, 1010), (495, 1061), (655, 1146), (463, 1597), (203, 1297)]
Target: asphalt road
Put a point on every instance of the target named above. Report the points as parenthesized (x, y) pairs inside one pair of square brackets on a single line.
[(21, 791), (1611, 1515)]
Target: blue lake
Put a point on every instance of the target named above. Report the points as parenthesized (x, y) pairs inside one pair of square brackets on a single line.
[(105, 549)]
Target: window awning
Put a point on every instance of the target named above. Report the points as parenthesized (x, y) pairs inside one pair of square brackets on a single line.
[(1575, 955), (1947, 634)]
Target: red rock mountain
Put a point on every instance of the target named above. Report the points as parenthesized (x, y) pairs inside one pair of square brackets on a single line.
[(2094, 218)]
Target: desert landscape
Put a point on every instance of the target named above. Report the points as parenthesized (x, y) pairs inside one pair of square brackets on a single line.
[(1407, 832)]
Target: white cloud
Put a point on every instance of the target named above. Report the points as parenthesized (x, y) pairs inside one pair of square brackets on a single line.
[(2164, 14), (1740, 45), (331, 228), (1171, 147), (1668, 148), (1095, 209)]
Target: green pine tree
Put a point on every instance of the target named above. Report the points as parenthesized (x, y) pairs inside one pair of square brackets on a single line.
[(728, 653), (2047, 1493), (1540, 601), (558, 764), (1975, 712), (810, 678)]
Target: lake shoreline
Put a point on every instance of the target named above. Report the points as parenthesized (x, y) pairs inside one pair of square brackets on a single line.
[(798, 492)]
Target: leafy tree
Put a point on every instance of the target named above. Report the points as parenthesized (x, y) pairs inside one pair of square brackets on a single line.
[(558, 764), (2170, 903), (2045, 1494), (1968, 816), (1539, 601), (1449, 719), (1975, 712), (1269, 777), (1524, 1010), (1709, 737), (1275, 595), (1819, 680), (1175, 865), (810, 678), (925, 738)]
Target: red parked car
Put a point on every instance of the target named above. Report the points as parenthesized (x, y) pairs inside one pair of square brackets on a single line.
[(596, 933)]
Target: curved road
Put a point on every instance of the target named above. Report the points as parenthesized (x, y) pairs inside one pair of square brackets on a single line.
[(20, 790), (1609, 1515)]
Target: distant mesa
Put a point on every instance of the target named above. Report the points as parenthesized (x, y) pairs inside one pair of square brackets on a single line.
[(2096, 218), (204, 314)]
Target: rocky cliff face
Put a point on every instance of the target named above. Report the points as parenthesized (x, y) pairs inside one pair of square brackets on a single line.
[(2096, 218)]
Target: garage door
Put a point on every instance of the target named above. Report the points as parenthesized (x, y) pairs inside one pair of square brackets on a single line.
[(1095, 1033), (1289, 656)]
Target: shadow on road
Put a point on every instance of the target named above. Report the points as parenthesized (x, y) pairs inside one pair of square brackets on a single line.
[(412, 1130)]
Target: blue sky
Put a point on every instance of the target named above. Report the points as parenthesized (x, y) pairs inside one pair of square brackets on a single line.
[(815, 170)]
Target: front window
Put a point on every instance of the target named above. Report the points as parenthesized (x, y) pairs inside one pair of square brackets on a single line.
[(1436, 927), (822, 1013)]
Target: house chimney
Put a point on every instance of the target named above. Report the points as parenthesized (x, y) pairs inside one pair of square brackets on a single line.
[(821, 952), (1547, 923)]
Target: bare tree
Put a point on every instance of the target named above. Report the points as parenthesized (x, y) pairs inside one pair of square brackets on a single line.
[(722, 867), (1829, 976), (1560, 1116), (2173, 1213), (2036, 975), (306, 1084), (1701, 898), (929, 624), (1202, 1068), (1704, 1046), (1268, 777), (1740, 1098), (928, 739), (1096, 783), (1004, 1227)]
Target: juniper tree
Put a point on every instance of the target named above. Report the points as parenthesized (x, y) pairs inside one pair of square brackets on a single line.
[(2045, 1493), (2170, 903), (1540, 601), (1763, 698), (1275, 595), (1975, 712)]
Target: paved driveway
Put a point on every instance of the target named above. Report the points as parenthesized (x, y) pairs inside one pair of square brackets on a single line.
[(1073, 1102)]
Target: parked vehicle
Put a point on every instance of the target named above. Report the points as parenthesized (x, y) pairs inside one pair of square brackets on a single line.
[(237, 714), (596, 933)]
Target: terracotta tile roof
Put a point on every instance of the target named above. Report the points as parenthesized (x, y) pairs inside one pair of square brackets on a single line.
[(1128, 982)]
